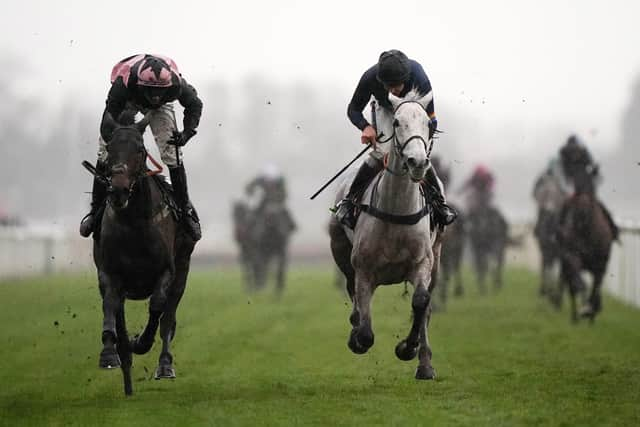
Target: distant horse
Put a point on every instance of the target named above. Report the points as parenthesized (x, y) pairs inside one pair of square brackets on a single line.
[(139, 252), (263, 235), (488, 234), (241, 214), (585, 237), (453, 242), (549, 196), (389, 243)]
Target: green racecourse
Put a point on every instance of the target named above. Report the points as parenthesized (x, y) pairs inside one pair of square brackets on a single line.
[(502, 360)]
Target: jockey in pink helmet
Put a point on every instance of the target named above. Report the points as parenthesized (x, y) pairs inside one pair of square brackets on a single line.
[(150, 84), (482, 179), (480, 185)]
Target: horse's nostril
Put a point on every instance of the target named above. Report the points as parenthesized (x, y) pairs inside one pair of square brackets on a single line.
[(412, 162)]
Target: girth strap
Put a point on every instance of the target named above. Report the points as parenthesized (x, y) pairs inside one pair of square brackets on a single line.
[(396, 219)]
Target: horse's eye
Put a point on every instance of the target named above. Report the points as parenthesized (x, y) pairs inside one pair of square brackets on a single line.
[(396, 123)]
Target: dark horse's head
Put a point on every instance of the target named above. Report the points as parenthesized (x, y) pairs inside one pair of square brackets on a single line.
[(126, 160), (584, 180)]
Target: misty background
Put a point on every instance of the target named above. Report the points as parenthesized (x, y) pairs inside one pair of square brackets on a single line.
[(511, 82)]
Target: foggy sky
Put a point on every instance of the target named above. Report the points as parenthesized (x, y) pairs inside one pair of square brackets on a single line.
[(511, 79), (570, 62)]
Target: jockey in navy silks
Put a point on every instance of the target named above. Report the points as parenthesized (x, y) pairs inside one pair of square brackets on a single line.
[(575, 158), (396, 74), (150, 84)]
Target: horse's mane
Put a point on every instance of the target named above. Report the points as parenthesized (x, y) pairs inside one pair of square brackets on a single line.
[(413, 95)]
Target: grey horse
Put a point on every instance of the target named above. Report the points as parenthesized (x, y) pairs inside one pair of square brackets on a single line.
[(393, 241), (549, 192)]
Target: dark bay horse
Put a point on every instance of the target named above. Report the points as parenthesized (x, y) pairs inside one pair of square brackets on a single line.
[(240, 216), (488, 234), (392, 241), (585, 237), (139, 252), (453, 243), (263, 236)]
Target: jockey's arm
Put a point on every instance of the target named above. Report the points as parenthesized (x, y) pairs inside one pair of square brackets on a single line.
[(116, 103), (251, 186), (590, 162), (192, 106), (359, 100)]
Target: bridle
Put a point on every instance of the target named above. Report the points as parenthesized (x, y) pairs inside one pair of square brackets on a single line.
[(399, 146), (143, 171)]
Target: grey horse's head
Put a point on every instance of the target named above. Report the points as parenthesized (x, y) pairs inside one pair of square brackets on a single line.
[(411, 130)]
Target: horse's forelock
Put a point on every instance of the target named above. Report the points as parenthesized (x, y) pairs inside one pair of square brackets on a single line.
[(413, 95), (127, 136)]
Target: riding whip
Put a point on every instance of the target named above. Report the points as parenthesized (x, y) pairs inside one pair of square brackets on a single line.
[(364, 150), (92, 170)]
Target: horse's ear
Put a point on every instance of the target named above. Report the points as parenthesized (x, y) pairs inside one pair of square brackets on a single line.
[(425, 100), (107, 126), (394, 100), (142, 124), (127, 117)]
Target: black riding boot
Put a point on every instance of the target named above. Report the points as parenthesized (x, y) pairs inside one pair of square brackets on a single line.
[(188, 215), (98, 196), (344, 209), (444, 214)]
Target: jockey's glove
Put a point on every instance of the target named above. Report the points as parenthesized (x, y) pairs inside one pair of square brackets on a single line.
[(180, 138)]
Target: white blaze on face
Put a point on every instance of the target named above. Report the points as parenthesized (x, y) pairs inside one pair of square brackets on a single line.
[(412, 122)]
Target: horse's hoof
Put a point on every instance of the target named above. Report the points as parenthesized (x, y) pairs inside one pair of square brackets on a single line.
[(406, 352), (109, 359), (164, 372), (587, 312), (354, 344), (425, 373)]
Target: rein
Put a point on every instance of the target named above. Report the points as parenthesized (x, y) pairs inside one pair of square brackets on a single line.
[(156, 164), (148, 172)]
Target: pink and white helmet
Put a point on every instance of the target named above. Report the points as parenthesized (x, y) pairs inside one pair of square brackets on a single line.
[(155, 72)]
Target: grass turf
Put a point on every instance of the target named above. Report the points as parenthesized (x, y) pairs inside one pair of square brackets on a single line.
[(504, 359)]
